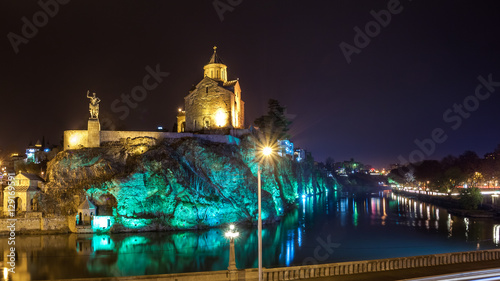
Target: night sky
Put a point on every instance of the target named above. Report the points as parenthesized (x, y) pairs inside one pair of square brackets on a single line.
[(396, 88)]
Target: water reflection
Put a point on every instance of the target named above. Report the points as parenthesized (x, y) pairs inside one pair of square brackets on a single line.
[(466, 223), (496, 234), (381, 226)]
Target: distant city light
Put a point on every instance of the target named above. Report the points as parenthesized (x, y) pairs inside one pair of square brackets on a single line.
[(160, 128)]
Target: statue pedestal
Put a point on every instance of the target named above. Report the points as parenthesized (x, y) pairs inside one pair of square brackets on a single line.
[(94, 133)]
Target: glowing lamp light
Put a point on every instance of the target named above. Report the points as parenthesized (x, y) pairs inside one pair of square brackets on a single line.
[(220, 118), (74, 140), (231, 234), (267, 151)]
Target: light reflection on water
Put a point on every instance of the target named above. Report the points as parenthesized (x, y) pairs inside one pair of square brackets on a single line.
[(322, 229), (496, 234)]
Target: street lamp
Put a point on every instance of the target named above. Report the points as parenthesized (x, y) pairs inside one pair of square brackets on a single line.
[(266, 151), (231, 234)]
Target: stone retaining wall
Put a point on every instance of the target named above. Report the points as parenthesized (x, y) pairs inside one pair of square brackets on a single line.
[(322, 270), (36, 224), (76, 139)]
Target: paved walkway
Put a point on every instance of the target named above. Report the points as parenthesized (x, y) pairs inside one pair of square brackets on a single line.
[(485, 274), (402, 274)]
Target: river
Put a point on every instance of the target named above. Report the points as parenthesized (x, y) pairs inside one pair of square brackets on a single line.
[(324, 228)]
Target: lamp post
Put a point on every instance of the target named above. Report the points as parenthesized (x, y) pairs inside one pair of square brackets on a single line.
[(231, 234), (266, 152)]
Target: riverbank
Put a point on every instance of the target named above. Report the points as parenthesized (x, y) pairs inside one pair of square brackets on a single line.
[(33, 223), (451, 204)]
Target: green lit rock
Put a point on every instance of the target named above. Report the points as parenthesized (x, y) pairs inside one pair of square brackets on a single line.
[(184, 183)]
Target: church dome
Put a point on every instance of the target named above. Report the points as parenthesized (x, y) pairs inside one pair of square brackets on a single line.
[(215, 68)]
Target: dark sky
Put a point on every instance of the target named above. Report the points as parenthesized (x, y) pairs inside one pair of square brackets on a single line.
[(395, 89)]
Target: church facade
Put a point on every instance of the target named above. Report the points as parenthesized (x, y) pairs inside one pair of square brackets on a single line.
[(214, 103)]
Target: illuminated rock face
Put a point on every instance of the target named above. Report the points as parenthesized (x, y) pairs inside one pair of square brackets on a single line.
[(176, 184)]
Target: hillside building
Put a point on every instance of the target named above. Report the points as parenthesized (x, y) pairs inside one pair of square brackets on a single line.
[(214, 103)]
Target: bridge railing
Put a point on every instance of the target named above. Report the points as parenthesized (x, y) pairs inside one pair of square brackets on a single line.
[(320, 270), (347, 268)]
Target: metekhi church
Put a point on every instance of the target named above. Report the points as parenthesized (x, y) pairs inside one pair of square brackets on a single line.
[(213, 108), (214, 103)]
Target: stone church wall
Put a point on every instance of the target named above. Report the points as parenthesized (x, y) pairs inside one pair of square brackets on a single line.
[(202, 106)]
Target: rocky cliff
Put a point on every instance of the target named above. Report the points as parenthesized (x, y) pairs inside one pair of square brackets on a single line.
[(176, 184)]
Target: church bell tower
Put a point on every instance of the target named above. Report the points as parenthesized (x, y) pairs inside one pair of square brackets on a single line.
[(215, 68)]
